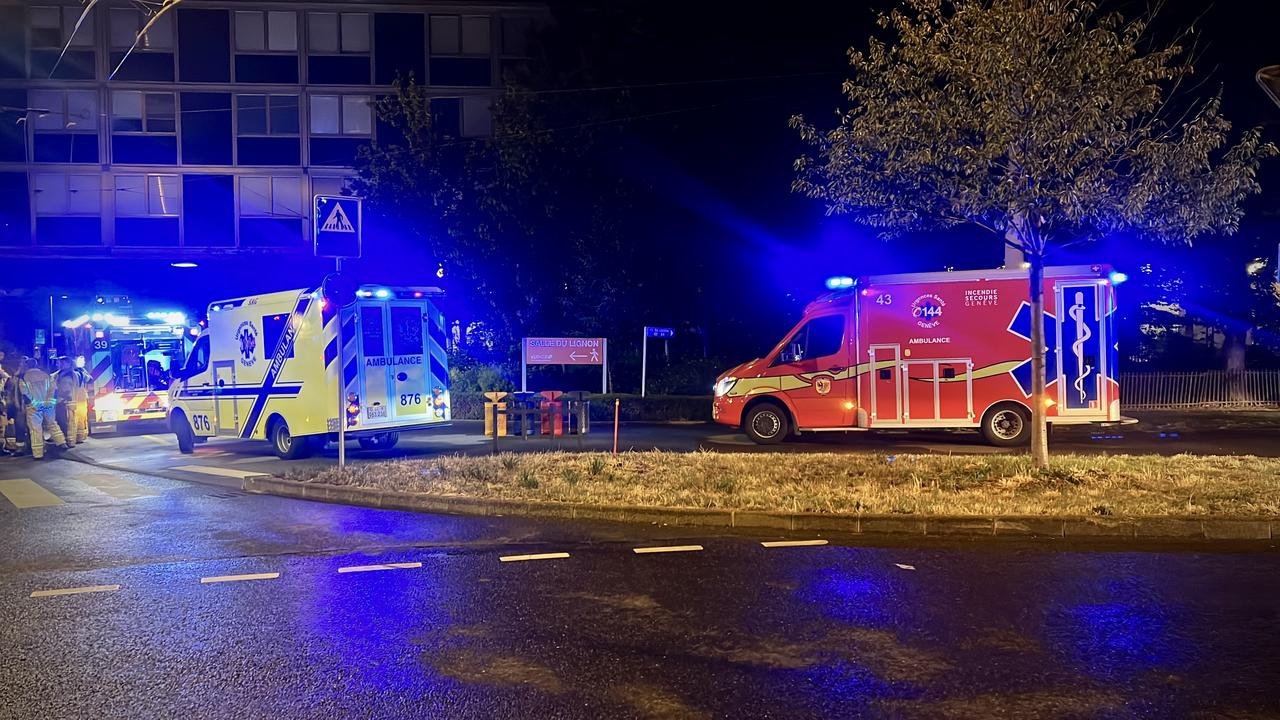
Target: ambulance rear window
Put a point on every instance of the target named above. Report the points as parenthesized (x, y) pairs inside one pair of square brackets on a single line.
[(371, 332), (406, 331)]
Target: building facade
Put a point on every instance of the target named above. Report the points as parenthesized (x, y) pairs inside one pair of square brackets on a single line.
[(210, 133)]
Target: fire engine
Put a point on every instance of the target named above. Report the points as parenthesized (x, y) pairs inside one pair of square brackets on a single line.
[(269, 366), (934, 350), (130, 359)]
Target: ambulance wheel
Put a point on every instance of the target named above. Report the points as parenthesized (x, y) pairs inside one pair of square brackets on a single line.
[(382, 441), (287, 446), (1007, 425), (767, 424), (186, 438)]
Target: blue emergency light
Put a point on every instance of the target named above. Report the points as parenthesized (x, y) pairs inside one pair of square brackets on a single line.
[(1116, 277), (839, 282)]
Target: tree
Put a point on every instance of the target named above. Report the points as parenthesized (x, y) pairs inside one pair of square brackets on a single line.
[(1046, 122)]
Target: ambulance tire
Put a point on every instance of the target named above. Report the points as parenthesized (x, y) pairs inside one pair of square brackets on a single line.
[(1007, 425), (186, 438), (285, 445), (382, 441), (767, 424)]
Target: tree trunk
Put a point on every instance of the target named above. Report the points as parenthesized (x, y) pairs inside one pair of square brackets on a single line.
[(1039, 410)]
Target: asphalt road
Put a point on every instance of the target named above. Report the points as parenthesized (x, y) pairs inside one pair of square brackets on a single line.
[(735, 629), (154, 451)]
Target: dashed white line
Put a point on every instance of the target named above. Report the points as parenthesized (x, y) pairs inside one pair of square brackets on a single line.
[(537, 556), (666, 549), (75, 590), (792, 543), (385, 566), (234, 578), (905, 567)]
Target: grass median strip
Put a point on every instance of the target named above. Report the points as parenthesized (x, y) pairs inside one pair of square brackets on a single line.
[(866, 483)]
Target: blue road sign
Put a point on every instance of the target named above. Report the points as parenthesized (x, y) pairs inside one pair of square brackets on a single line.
[(657, 332), (336, 226)]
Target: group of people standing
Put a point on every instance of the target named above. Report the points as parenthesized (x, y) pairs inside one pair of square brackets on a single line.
[(34, 403)]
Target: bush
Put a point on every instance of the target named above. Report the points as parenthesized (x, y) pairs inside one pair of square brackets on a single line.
[(666, 408)]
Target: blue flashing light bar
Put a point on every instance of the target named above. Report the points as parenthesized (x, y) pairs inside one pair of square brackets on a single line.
[(839, 282), (1116, 277)]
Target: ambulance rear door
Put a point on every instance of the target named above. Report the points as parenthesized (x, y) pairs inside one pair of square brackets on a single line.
[(395, 380)]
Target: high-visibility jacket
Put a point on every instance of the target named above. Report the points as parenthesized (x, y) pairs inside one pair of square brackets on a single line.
[(39, 388)]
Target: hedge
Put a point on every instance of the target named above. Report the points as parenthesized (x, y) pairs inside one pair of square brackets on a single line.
[(655, 408)]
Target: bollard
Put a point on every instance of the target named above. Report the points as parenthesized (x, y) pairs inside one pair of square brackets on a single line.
[(617, 406), (552, 418), (496, 419), (495, 422)]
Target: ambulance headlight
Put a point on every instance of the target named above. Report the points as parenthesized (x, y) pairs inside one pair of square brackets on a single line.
[(724, 385)]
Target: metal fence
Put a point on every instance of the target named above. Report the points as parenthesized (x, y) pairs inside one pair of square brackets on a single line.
[(1246, 388)]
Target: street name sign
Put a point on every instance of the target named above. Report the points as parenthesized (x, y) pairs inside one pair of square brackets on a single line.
[(657, 332)]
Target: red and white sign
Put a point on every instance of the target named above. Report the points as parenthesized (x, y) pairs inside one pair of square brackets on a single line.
[(564, 351)]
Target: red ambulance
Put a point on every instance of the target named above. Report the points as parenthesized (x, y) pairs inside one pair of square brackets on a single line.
[(934, 350)]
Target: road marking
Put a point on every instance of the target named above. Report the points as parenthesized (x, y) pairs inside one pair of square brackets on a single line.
[(75, 590), (160, 439), (666, 549), (905, 567), (211, 453), (222, 472), (538, 556), (260, 458), (385, 566), (792, 543), (116, 487), (25, 494), (234, 578)]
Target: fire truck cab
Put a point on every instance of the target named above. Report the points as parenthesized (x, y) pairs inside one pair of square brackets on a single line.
[(130, 359), (933, 350)]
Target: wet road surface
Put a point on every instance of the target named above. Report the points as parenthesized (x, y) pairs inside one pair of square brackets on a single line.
[(201, 601)]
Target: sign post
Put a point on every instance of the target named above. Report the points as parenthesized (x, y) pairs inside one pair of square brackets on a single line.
[(656, 332), (337, 231), (564, 351)]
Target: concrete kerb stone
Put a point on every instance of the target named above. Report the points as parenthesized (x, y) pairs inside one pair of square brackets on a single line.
[(1088, 528)]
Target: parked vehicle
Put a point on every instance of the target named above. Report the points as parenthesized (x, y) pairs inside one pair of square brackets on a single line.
[(267, 367), (933, 350)]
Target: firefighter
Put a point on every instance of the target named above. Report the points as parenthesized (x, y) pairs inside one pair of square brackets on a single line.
[(73, 401), (82, 401), (15, 432), (40, 393)]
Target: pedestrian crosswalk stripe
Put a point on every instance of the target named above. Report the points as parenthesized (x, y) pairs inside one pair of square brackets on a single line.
[(75, 590), (117, 487), (221, 472), (26, 494)]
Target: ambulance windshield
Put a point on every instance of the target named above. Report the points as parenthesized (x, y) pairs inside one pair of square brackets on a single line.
[(146, 364)]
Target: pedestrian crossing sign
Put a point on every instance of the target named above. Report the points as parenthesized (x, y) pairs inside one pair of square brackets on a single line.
[(336, 226)]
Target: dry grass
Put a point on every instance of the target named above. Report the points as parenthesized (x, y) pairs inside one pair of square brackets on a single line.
[(1122, 485)]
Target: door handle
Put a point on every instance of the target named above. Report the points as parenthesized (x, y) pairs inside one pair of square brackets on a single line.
[(221, 383)]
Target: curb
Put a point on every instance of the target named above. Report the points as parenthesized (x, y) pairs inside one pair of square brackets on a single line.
[(1025, 527)]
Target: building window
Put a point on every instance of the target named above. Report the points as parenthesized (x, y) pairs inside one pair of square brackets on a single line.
[(275, 31), (271, 197), (142, 112), (459, 35), (52, 27), (60, 194), (330, 185), (125, 24), (64, 111), (338, 32), (341, 115), (148, 195), (267, 114)]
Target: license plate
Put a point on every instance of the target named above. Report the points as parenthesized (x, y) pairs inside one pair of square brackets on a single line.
[(376, 411)]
